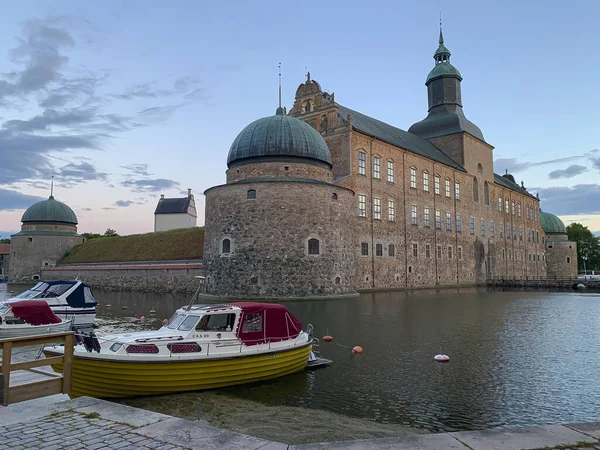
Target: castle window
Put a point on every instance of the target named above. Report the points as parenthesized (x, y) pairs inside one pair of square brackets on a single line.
[(500, 204), (415, 250), (426, 181), (427, 251), (512, 207), (338, 280), (447, 184), (286, 168), (390, 171), (409, 269), (482, 227), (413, 178), (506, 202), (472, 226), (251, 193), (528, 235), (334, 197), (457, 190), (458, 224), (362, 163), (538, 257), (519, 209), (313, 246), (364, 249), (362, 205), (521, 234), (391, 250), (378, 249), (449, 252), (568, 260), (391, 210), (439, 252), (514, 232), (377, 208), (475, 190), (492, 228), (413, 214), (436, 184), (226, 246), (501, 231), (486, 193), (448, 222), (459, 253), (323, 122), (377, 167), (253, 280), (438, 219), (529, 256), (29, 239), (426, 217)]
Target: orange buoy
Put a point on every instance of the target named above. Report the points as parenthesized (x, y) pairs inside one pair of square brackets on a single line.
[(152, 312), (143, 318), (327, 338), (165, 321), (357, 349)]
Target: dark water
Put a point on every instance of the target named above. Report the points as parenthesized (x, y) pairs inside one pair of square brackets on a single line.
[(516, 358)]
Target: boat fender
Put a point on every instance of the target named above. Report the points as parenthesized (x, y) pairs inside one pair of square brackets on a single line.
[(95, 342), (357, 349), (87, 343)]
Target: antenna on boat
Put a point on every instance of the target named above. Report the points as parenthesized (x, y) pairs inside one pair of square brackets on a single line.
[(195, 296)]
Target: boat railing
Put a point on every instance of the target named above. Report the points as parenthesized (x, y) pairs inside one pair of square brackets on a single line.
[(49, 383)]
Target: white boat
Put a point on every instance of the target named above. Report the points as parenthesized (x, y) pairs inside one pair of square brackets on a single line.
[(29, 318), (68, 299), (201, 347)]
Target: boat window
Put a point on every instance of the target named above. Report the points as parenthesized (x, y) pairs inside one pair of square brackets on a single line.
[(88, 296), (41, 286), (188, 323), (27, 295), (216, 322), (57, 289), (175, 321), (252, 323)]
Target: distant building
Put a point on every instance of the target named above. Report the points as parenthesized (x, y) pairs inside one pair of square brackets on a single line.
[(173, 213), (4, 255), (561, 254), (48, 232)]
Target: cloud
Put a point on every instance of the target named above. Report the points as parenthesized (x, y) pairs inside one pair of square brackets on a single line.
[(108, 208), (578, 199), (148, 90), (514, 166), (155, 185), (569, 172), (124, 203), (14, 200), (138, 169), (84, 171)]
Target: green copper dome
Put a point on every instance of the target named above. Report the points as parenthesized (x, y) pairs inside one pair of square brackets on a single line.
[(552, 224), (49, 210), (443, 69), (278, 136)]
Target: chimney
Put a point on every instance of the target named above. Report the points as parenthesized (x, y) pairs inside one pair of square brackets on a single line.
[(162, 196), (189, 192)]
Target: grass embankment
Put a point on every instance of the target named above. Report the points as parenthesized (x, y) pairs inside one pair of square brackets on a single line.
[(186, 243)]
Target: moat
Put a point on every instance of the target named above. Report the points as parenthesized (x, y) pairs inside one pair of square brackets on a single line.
[(516, 357)]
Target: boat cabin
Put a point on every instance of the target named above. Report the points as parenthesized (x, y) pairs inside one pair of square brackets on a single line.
[(76, 293)]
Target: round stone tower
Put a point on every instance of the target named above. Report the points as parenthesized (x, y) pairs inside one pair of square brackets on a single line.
[(279, 227), (561, 254), (49, 230)]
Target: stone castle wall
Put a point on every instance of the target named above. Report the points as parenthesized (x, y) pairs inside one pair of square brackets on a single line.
[(269, 240), (281, 169), (561, 258)]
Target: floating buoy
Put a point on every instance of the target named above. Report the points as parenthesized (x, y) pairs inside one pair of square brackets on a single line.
[(441, 358), (357, 349), (152, 312), (165, 321), (327, 338), (143, 318), (123, 307), (108, 305)]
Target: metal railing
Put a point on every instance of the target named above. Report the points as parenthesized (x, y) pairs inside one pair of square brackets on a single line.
[(55, 384)]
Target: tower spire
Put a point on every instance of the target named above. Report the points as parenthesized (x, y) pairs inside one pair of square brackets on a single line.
[(441, 41), (279, 109), (52, 187)]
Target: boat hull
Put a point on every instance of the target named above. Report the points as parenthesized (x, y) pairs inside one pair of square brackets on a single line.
[(12, 331), (103, 378)]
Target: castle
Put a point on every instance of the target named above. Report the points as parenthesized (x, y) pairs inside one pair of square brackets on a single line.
[(324, 200)]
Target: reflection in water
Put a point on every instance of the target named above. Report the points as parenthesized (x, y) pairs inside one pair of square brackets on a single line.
[(516, 358)]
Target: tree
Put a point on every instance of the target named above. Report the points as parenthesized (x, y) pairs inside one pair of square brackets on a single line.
[(110, 233), (5, 241), (588, 247), (89, 236)]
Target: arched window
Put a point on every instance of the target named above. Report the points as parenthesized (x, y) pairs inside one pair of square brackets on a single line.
[(226, 247), (568, 260), (338, 280), (334, 197), (475, 190), (313, 246), (251, 193), (486, 193), (323, 122)]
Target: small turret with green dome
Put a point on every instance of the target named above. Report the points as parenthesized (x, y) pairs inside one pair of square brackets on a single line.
[(50, 210), (442, 63), (553, 227)]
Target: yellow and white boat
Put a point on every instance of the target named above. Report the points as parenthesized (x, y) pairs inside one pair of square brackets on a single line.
[(201, 347)]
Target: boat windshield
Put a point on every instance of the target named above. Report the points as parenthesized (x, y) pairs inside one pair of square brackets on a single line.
[(33, 292), (4, 308), (57, 289), (175, 321)]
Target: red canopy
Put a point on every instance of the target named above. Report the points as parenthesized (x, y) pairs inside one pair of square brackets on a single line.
[(266, 322), (34, 312)]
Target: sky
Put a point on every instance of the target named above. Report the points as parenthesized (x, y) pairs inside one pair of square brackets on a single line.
[(122, 101)]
